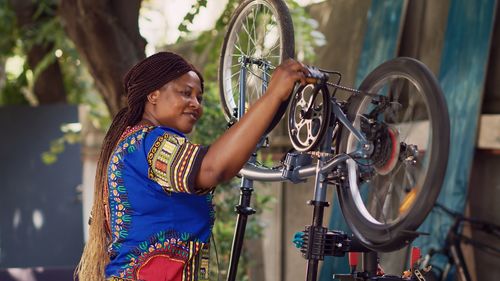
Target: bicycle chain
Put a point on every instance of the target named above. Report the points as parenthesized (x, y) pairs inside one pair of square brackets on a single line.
[(347, 89), (319, 154), (352, 90)]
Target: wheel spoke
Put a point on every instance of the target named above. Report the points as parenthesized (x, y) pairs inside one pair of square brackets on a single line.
[(255, 18), (387, 203), (232, 76), (238, 48), (251, 40), (274, 48)]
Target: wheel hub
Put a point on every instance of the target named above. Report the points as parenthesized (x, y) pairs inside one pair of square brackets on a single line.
[(385, 145)]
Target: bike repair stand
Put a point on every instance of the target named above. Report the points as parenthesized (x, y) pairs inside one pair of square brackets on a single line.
[(243, 210), (317, 241)]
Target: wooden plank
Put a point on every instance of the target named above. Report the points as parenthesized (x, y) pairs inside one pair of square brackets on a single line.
[(489, 132)]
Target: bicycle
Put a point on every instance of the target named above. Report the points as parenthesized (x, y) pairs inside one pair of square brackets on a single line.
[(387, 175), (452, 250)]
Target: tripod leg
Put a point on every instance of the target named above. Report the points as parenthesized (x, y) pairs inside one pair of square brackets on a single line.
[(244, 210)]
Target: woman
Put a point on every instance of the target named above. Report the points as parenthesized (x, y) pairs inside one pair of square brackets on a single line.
[(152, 214)]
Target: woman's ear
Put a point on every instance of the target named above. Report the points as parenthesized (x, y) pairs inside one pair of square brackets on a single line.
[(153, 96)]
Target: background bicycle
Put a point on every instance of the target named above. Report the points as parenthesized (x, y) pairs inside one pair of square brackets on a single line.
[(450, 261)]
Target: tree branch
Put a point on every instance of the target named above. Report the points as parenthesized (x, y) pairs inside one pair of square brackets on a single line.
[(108, 40)]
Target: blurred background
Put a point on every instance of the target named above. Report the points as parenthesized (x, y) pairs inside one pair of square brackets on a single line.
[(61, 69)]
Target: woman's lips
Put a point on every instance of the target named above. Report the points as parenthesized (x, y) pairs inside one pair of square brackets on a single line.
[(192, 115)]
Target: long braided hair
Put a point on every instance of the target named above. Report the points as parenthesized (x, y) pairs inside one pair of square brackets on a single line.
[(145, 77)]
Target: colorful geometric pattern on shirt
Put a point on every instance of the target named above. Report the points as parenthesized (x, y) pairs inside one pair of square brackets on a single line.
[(171, 160), (176, 246), (119, 207), (134, 129)]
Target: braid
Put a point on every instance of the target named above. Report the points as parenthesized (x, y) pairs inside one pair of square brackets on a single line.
[(95, 257), (145, 77), (155, 71)]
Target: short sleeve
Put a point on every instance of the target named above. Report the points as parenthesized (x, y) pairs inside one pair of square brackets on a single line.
[(174, 162)]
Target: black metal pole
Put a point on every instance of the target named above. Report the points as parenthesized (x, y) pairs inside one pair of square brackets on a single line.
[(312, 263), (243, 210), (319, 202)]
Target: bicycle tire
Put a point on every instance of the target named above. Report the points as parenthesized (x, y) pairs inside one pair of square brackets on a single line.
[(251, 11), (388, 222)]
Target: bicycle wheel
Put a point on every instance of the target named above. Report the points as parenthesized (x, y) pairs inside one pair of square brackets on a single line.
[(391, 191), (259, 37)]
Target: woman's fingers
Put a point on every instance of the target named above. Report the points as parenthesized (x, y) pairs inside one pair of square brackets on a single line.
[(286, 75), (297, 70)]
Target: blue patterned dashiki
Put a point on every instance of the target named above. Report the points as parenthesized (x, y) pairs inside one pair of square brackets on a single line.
[(160, 224)]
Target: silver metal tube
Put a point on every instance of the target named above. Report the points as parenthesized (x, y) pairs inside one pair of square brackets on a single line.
[(343, 119), (254, 173), (321, 184)]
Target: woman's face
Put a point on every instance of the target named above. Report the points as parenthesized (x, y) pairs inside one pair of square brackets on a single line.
[(177, 104)]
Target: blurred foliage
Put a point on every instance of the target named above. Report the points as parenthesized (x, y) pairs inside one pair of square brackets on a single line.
[(45, 29), (7, 28), (307, 37), (71, 136), (11, 86)]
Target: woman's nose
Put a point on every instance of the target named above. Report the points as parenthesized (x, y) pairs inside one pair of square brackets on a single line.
[(194, 102)]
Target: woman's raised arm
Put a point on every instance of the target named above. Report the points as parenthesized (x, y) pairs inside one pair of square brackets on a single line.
[(227, 155)]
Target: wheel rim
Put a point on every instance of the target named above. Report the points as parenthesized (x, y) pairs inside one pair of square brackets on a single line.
[(256, 34), (387, 199)]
